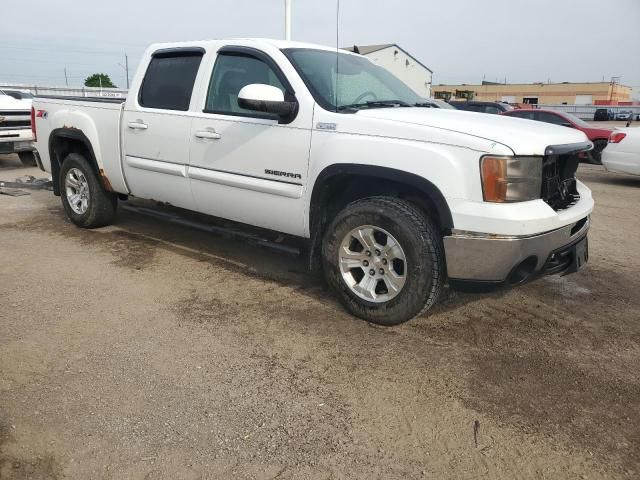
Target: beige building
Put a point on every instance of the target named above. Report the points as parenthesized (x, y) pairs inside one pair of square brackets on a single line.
[(538, 93)]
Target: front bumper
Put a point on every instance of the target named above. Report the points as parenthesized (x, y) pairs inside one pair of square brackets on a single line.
[(509, 260)]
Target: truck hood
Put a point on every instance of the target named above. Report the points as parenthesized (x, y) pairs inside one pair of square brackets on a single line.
[(523, 137), (8, 103)]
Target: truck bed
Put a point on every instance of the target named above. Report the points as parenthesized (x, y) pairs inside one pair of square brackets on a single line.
[(95, 118)]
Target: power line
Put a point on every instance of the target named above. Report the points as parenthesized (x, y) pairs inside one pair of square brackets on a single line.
[(85, 52)]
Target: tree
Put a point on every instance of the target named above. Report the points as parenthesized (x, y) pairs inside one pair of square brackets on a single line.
[(99, 80)]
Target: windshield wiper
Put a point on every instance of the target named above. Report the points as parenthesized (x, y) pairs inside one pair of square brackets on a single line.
[(375, 104)]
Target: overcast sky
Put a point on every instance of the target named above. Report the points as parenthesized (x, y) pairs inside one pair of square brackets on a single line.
[(460, 40)]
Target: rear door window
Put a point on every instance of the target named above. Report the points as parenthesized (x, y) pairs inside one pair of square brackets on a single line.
[(528, 114), (551, 118), (491, 109), (169, 80)]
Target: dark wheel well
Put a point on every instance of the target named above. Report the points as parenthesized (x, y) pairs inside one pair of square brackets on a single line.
[(64, 141), (600, 143), (341, 184)]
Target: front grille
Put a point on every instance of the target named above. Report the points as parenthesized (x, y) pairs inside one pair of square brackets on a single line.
[(559, 188), (12, 120)]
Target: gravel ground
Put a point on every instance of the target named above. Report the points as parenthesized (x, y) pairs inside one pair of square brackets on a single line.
[(147, 350)]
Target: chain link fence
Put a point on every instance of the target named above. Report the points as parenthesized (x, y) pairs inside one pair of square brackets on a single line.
[(586, 112)]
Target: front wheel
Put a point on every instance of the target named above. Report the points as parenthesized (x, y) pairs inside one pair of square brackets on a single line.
[(383, 257), (85, 201)]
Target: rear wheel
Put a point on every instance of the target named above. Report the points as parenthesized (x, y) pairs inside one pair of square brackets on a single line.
[(383, 257), (85, 201), (28, 159), (595, 156)]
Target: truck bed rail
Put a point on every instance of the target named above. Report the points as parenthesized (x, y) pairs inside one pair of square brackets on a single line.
[(84, 99)]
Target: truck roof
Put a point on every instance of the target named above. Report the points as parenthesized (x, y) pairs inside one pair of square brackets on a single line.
[(279, 44)]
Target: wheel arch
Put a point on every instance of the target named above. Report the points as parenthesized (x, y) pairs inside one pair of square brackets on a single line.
[(339, 184), (65, 140)]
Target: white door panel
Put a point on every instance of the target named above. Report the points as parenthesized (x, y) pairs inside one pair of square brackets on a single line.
[(156, 156), (251, 148), (253, 168), (156, 127), (275, 212)]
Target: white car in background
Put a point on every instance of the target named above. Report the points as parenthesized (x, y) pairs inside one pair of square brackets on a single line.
[(624, 115), (622, 154)]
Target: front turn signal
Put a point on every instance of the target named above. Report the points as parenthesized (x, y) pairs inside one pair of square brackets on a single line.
[(511, 179), (494, 179)]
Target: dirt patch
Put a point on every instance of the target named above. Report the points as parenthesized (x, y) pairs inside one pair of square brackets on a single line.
[(148, 350), (21, 468), (578, 404), (128, 249), (12, 468)]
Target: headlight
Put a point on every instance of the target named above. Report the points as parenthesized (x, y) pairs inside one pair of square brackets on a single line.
[(511, 179)]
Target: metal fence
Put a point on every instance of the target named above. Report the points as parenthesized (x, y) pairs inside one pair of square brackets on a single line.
[(586, 112), (67, 91)]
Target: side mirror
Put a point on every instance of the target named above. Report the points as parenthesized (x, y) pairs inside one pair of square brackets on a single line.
[(265, 98), (567, 124)]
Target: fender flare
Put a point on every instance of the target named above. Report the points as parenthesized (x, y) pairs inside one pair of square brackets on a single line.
[(315, 215), (400, 176), (79, 136)]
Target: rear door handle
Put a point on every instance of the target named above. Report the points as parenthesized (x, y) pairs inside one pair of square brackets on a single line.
[(139, 125), (208, 134)]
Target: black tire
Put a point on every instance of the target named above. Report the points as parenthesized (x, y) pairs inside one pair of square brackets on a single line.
[(28, 159), (102, 205), (595, 155), (421, 242)]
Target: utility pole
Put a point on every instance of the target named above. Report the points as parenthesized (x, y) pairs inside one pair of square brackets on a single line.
[(287, 19), (126, 67), (66, 79)]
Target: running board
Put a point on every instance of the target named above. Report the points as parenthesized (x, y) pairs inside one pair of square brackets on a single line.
[(204, 227)]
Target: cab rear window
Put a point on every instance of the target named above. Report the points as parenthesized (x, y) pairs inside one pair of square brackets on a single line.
[(168, 82)]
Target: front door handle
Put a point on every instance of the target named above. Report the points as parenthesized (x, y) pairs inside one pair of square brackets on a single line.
[(208, 134), (137, 125)]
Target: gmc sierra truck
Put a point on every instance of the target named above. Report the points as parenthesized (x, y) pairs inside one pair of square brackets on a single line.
[(393, 198)]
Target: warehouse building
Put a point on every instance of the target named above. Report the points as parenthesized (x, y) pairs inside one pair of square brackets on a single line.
[(399, 62), (565, 93)]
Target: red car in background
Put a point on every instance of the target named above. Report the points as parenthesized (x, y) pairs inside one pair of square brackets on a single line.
[(599, 136)]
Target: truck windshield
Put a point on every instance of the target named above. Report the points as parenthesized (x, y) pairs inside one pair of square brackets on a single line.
[(359, 83)]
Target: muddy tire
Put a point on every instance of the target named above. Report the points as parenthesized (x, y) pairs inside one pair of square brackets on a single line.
[(28, 159), (85, 201), (384, 258)]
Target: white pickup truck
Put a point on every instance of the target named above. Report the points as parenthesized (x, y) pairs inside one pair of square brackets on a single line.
[(16, 135), (393, 197)]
